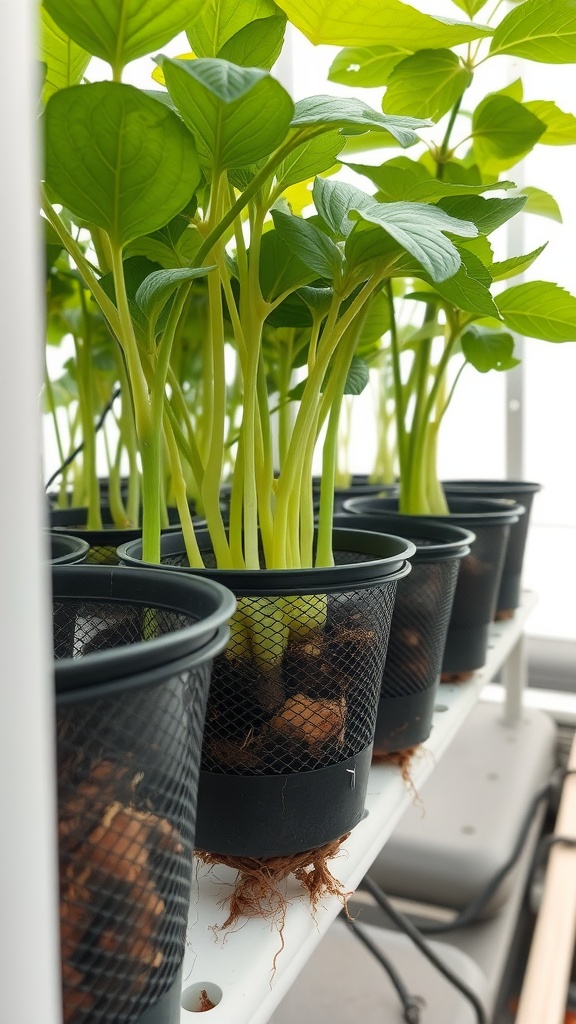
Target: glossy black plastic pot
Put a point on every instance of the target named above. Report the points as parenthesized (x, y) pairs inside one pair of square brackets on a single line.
[(419, 627), (133, 657), (292, 707), (517, 490), (67, 550), (479, 576)]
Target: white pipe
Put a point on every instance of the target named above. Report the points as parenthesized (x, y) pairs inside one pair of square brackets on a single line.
[(29, 955)]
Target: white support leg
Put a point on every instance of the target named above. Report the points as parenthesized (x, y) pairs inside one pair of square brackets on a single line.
[(514, 679)]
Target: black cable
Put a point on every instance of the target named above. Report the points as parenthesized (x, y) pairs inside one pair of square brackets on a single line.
[(80, 447), (543, 849), (410, 1004), (479, 903), (419, 941)]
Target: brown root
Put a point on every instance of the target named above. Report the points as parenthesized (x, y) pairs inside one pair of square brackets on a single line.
[(456, 677), (205, 1002), (257, 891), (504, 614)]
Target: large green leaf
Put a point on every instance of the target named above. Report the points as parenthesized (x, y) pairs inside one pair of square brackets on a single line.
[(488, 350), (281, 270), (65, 61), (470, 7), (119, 31), (309, 159), (353, 114), (426, 84), (515, 265), (469, 287), (541, 203), (334, 200), (237, 115), (560, 127), (257, 45), (375, 22), (118, 159), (222, 19), (401, 178), (539, 309), (541, 30), (487, 214), (503, 129), (309, 244), (365, 66), (420, 229), (154, 292), (358, 377)]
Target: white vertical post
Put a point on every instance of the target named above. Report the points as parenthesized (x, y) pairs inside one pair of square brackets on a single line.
[(29, 948)]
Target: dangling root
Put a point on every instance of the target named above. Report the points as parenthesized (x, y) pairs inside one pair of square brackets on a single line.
[(257, 891), (403, 761)]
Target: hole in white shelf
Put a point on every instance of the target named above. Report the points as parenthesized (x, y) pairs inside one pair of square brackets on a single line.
[(493, 776), (440, 707), (196, 997), (468, 830)]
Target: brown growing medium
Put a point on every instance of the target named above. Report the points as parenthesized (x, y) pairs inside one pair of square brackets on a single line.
[(456, 677), (105, 850), (504, 614), (258, 892)]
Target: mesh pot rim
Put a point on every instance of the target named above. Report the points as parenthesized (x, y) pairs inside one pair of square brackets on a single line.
[(465, 511), (145, 679), (72, 520), (388, 564), (482, 486), (66, 549), (210, 601), (442, 541)]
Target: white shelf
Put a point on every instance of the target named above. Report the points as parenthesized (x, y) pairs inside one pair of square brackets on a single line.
[(240, 963)]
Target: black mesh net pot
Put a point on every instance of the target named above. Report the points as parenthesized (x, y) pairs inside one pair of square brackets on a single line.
[(66, 550), (133, 655), (293, 701), (478, 577), (102, 543), (523, 492), (419, 626)]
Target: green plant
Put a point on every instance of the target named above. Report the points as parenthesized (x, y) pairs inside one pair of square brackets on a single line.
[(197, 180), (468, 317)]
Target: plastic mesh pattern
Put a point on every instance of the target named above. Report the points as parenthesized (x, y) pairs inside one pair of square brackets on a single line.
[(419, 625), (479, 578), (127, 779), (297, 687), (82, 627)]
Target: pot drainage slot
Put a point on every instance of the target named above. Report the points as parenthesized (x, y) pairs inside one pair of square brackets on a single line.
[(202, 996)]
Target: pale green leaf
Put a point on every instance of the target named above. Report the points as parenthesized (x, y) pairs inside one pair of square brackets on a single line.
[(487, 349), (257, 45), (311, 246), (469, 287), (420, 229), (426, 84), (64, 60), (119, 31), (515, 265), (353, 114), (237, 115), (221, 19), (154, 292), (280, 268), (365, 66), (539, 309), (376, 22), (401, 178), (310, 158), (118, 159), (470, 7), (540, 30), (334, 200), (503, 128), (541, 203), (560, 127), (487, 214)]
